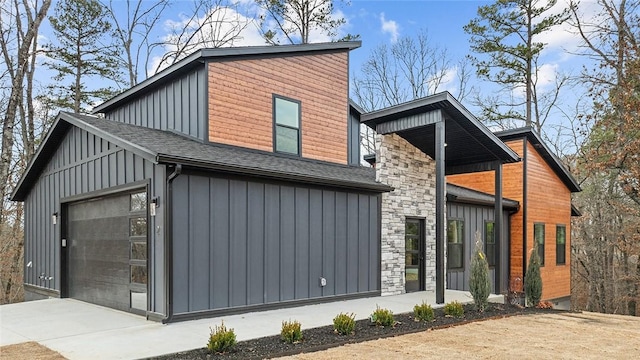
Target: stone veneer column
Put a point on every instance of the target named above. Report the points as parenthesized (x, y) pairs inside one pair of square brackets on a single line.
[(412, 173)]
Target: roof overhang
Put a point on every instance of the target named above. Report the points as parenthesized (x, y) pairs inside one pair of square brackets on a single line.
[(199, 57), (548, 155), (470, 146), (457, 193)]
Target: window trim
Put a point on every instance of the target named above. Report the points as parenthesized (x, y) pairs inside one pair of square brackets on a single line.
[(462, 245), (495, 261), (275, 125), (541, 247), (563, 226)]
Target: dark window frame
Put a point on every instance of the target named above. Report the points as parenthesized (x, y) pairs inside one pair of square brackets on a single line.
[(540, 246), (421, 251), (460, 244), (561, 254), (276, 97), (491, 258)]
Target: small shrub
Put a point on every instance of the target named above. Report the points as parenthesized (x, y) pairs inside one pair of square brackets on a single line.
[(291, 332), (545, 305), (344, 324), (423, 312), (454, 309), (532, 278), (382, 317), (221, 339), (479, 282)]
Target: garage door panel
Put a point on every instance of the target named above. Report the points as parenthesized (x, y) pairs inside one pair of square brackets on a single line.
[(99, 251)]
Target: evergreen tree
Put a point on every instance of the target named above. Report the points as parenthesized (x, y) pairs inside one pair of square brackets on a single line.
[(479, 282), (81, 54), (504, 34), (532, 278)]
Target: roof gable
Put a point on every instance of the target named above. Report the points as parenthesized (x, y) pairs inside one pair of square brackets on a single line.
[(549, 157)]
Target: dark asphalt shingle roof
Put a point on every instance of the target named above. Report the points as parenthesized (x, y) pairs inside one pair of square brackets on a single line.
[(167, 147), (466, 195)]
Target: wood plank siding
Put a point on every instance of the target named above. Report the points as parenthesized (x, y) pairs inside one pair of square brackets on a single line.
[(547, 201), (241, 93)]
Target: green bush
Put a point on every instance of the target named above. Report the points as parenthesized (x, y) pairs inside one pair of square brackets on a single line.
[(291, 332), (454, 309), (221, 339), (423, 312), (532, 279), (479, 282), (344, 324), (382, 317)]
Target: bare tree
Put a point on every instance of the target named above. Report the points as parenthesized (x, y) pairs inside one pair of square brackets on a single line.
[(133, 29), (212, 24), (607, 247), (19, 24), (411, 68)]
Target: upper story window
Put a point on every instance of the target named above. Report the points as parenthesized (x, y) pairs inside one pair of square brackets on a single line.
[(538, 237), (286, 125)]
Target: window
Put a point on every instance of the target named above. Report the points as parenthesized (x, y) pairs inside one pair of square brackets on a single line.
[(455, 244), (561, 244), (139, 201), (538, 236), (286, 125), (490, 243)]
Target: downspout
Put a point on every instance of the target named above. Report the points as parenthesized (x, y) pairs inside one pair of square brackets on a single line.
[(168, 254)]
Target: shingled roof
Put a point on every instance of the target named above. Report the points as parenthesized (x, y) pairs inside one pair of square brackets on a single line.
[(165, 147)]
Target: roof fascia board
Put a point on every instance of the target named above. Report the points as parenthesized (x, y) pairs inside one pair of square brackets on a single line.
[(164, 158), (410, 122)]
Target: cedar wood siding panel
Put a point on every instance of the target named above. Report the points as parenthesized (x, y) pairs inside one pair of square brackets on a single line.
[(241, 96), (84, 163), (512, 188), (549, 202)]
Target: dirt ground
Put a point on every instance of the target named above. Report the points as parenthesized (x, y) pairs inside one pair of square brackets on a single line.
[(548, 336), (29, 350)]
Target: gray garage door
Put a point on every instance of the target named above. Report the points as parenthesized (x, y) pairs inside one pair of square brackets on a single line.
[(107, 251)]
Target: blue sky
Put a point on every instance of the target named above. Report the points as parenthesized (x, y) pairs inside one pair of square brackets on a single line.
[(382, 22)]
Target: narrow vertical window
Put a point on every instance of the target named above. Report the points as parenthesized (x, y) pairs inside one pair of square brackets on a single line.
[(490, 243), (455, 244), (538, 236), (286, 125), (561, 244)]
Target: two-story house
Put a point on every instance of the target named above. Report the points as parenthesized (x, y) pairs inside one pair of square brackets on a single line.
[(231, 181)]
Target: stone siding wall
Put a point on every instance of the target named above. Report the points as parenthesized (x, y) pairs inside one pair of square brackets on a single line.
[(412, 174)]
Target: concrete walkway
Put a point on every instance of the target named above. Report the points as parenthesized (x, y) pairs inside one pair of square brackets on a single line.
[(80, 330)]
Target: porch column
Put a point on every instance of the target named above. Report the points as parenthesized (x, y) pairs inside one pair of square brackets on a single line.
[(440, 211), (497, 227)]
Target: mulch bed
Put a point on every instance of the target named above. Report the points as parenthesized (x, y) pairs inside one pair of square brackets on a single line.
[(324, 337)]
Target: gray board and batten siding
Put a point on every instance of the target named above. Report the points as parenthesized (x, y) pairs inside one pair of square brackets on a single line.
[(84, 166), (241, 242), (178, 104), (475, 217)]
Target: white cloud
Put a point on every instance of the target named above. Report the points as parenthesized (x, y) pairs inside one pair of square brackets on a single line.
[(546, 76), (446, 81), (391, 27)]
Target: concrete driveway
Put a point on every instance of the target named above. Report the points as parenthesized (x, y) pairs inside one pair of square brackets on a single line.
[(80, 330)]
